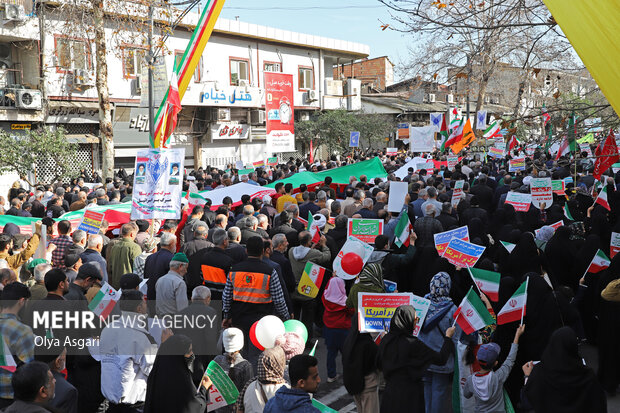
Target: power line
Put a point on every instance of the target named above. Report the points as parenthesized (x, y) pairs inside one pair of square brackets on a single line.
[(302, 8)]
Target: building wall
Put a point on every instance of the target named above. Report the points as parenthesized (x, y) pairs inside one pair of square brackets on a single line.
[(377, 73)]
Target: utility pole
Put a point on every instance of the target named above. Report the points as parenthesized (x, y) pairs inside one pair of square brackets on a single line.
[(151, 62), (468, 84)]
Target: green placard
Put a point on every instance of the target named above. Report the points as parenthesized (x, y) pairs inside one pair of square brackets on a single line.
[(322, 408), (222, 382)]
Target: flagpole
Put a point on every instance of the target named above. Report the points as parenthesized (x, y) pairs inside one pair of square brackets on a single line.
[(474, 280), (527, 282), (457, 316)]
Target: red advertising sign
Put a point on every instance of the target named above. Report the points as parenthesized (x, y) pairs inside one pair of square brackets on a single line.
[(279, 112)]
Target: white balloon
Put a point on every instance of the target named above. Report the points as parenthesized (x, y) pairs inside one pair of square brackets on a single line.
[(267, 329)]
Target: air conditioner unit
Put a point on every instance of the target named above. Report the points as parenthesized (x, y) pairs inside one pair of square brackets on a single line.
[(82, 77), (14, 12), (223, 114), (450, 98), (257, 117), (311, 95), (136, 85), (431, 97), (245, 84), (333, 87), (28, 99)]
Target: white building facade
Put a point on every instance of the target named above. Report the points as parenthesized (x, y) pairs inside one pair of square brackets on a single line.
[(223, 117)]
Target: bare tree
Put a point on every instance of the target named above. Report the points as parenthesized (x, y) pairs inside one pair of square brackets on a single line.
[(471, 40), (108, 25)]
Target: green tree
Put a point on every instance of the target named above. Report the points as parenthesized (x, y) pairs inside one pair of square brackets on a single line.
[(38, 149), (332, 128)]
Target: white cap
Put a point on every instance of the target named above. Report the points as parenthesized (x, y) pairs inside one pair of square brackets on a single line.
[(232, 338), (266, 199), (320, 220)]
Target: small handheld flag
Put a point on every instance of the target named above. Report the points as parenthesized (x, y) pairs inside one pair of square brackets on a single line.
[(515, 306), (486, 281), (472, 314)]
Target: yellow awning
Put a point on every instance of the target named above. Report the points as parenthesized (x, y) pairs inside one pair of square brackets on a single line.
[(593, 29)]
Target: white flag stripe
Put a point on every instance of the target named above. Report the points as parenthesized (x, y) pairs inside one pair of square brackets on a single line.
[(471, 315)]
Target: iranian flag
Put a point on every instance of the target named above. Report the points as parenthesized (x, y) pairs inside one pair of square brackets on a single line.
[(173, 107), (444, 133), (472, 314), (104, 301), (311, 280), (602, 199), (492, 131), (512, 143), (565, 147), (514, 309), (7, 361), (186, 67), (456, 132), (599, 262), (486, 281), (567, 213), (313, 228), (508, 245), (403, 229)]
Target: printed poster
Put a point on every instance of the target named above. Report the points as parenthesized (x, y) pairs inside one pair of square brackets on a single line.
[(462, 253), (391, 151), (521, 202), (443, 238), (365, 230), (541, 191), (375, 310), (557, 186), (517, 164), (457, 193), (311, 280), (496, 152), (279, 109), (91, 221), (614, 245), (422, 139), (157, 184), (452, 160)]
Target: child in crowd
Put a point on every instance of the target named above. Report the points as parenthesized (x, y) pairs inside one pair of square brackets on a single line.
[(238, 369), (486, 385), (337, 320)]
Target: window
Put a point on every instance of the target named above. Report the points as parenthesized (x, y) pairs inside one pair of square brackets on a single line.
[(133, 58), (178, 56), (239, 71), (272, 67), (306, 78), (72, 54)]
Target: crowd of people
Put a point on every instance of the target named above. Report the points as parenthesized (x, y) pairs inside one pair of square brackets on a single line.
[(250, 255)]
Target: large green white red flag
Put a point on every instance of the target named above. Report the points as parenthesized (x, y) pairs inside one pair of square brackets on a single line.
[(472, 314), (599, 262), (514, 309)]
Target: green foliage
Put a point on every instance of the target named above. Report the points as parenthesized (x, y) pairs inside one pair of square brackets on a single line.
[(332, 128), (39, 149)]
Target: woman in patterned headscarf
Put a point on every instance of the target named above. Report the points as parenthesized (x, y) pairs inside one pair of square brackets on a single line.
[(270, 377), (437, 380), (370, 281)]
